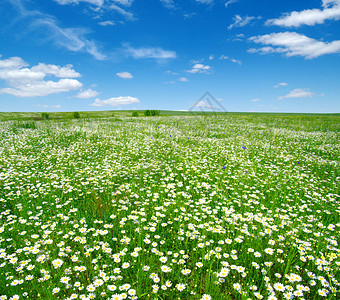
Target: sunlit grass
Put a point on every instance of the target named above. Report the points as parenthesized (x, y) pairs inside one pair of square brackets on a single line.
[(177, 207)]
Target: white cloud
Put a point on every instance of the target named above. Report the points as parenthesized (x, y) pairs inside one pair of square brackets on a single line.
[(20, 75), (12, 62), (298, 93), (128, 15), (93, 2), (107, 23), (87, 94), (43, 88), (211, 57), (29, 82), (117, 101), (203, 104), (73, 39), (294, 44), (57, 71), (256, 100), (49, 106), (183, 79), (124, 2), (230, 2), (150, 52), (241, 21), (125, 75), (169, 4), (281, 84), (205, 1), (330, 11), (200, 68), (225, 57), (236, 61)]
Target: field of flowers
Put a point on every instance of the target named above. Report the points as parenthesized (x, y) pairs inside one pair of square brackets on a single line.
[(177, 207)]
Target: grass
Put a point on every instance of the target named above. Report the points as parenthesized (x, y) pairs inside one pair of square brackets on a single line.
[(235, 206)]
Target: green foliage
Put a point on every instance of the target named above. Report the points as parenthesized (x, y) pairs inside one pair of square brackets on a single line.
[(155, 113), (134, 114), (148, 113), (45, 116), (76, 115), (226, 206)]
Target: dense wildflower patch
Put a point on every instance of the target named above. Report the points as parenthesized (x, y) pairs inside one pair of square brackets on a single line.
[(188, 207)]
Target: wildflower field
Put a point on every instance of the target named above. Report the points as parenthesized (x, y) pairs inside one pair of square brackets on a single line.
[(240, 206)]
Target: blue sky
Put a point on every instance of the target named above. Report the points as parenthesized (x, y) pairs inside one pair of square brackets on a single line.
[(81, 55)]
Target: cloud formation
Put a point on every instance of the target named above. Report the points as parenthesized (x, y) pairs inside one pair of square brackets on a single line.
[(29, 82), (200, 68), (148, 52), (169, 4), (117, 101), (294, 44), (281, 84), (230, 2), (86, 94), (242, 21), (72, 39), (310, 17), (124, 75), (298, 93)]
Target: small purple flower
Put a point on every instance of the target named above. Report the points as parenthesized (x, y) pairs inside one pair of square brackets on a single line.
[(224, 167), (158, 127), (298, 162), (170, 135), (244, 147)]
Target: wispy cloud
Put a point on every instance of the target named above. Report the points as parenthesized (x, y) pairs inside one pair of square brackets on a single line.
[(242, 21), (281, 84), (200, 68), (72, 39), (116, 101), (93, 2), (330, 11), (127, 14), (49, 106), (148, 52), (205, 1), (86, 94), (169, 4), (225, 57), (230, 2), (30, 82), (298, 93), (124, 75), (294, 44), (256, 100), (107, 23)]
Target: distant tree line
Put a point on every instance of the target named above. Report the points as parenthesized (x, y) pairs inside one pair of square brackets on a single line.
[(148, 113)]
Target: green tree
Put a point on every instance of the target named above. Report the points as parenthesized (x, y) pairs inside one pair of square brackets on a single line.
[(76, 115), (45, 116)]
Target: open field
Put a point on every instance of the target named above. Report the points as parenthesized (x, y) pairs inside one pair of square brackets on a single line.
[(238, 206)]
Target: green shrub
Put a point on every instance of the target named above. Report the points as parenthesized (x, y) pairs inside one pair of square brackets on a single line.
[(147, 113), (135, 114), (76, 115), (155, 113), (45, 116)]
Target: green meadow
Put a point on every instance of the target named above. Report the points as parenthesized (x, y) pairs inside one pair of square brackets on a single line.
[(176, 206)]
